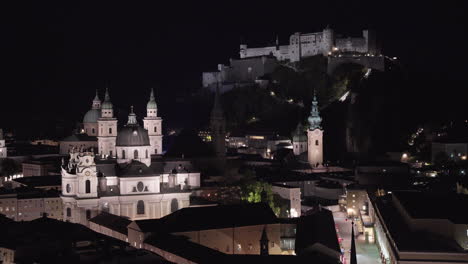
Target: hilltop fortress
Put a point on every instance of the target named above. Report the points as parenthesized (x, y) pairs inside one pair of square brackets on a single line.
[(256, 62), (310, 44)]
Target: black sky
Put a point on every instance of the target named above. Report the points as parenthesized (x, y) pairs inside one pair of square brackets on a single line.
[(54, 55)]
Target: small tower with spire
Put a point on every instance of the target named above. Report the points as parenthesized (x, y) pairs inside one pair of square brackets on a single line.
[(315, 136), (107, 128), (96, 101), (153, 124), (353, 257), (218, 127), (299, 140), (3, 148), (264, 250), (91, 117)]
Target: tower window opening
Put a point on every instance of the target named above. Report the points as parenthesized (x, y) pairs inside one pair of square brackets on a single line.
[(135, 154), (316, 142)]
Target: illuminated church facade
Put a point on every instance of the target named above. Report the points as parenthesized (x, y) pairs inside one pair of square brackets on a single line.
[(121, 177)]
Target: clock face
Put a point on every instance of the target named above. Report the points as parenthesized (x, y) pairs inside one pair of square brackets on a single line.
[(87, 173)]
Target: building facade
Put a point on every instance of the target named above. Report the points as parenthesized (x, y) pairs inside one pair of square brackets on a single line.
[(303, 45), (121, 178)]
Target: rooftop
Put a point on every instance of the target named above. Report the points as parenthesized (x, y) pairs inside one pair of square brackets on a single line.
[(211, 217), (421, 205), (113, 222), (405, 239)]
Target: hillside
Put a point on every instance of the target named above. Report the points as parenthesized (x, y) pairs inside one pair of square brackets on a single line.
[(370, 121)]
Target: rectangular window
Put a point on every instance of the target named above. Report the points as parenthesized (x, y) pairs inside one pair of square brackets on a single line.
[(110, 130)]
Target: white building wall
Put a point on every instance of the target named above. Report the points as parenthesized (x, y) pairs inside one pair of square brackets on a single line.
[(315, 147), (3, 149)]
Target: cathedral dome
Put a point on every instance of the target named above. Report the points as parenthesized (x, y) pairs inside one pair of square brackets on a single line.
[(92, 116), (132, 136)]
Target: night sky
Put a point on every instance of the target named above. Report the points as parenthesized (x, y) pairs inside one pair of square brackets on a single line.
[(55, 55)]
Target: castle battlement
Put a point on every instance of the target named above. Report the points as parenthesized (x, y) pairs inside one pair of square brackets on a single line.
[(302, 45)]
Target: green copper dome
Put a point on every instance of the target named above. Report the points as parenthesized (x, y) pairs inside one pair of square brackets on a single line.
[(92, 116), (152, 102), (107, 104), (299, 134)]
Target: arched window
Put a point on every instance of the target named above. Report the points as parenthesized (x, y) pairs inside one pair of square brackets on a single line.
[(92, 130), (88, 186), (135, 154), (110, 130), (123, 154), (156, 151), (68, 212), (88, 214), (140, 207), (174, 205), (155, 129), (146, 152), (68, 188), (316, 143)]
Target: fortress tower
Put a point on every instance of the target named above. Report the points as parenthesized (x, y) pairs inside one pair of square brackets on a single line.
[(3, 149), (315, 136), (328, 38), (107, 124), (152, 123)]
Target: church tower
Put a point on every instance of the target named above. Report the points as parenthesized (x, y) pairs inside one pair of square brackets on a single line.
[(86, 175), (107, 128), (315, 136), (218, 127), (299, 140), (152, 123), (3, 149), (264, 251)]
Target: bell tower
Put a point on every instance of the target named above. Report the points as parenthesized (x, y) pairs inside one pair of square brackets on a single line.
[(107, 126), (153, 123), (315, 136), (86, 176)]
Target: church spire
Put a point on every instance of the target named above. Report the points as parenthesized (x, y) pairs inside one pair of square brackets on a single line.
[(353, 258), (96, 101), (264, 243), (132, 117), (314, 118), (152, 107)]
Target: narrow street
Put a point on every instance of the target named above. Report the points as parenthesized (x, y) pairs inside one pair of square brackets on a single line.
[(366, 253)]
